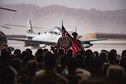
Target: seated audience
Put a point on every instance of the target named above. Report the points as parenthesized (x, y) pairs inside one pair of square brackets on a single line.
[(49, 74)]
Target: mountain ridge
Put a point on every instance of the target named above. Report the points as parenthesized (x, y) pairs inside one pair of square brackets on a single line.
[(91, 20)]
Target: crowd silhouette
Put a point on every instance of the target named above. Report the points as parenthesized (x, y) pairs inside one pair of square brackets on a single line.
[(57, 66)]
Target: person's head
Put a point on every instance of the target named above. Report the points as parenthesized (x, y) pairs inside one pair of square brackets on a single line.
[(88, 53), (103, 56), (123, 54), (75, 34), (64, 34), (49, 61), (61, 51), (29, 51), (111, 56), (31, 67), (115, 73), (69, 52), (5, 56), (17, 51)]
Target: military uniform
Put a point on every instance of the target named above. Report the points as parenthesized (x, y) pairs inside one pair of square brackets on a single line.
[(64, 42)]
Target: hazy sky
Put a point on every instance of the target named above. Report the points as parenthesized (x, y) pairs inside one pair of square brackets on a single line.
[(85, 4)]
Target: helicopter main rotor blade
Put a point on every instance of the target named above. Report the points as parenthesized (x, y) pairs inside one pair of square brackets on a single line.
[(8, 9), (5, 27)]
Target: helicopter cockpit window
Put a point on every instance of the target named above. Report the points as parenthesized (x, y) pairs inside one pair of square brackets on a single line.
[(53, 32)]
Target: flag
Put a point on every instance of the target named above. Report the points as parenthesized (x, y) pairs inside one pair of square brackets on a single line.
[(76, 45)]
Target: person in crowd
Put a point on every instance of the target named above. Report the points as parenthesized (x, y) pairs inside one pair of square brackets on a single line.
[(112, 58), (39, 58), (80, 57), (117, 57), (62, 60), (95, 67), (8, 75), (103, 50), (103, 56), (89, 56), (16, 64), (60, 53), (17, 53), (29, 51), (96, 53), (4, 58), (115, 74), (60, 63), (123, 63), (72, 76), (67, 57), (81, 69), (38, 52), (49, 74), (123, 54), (31, 68), (75, 36)]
